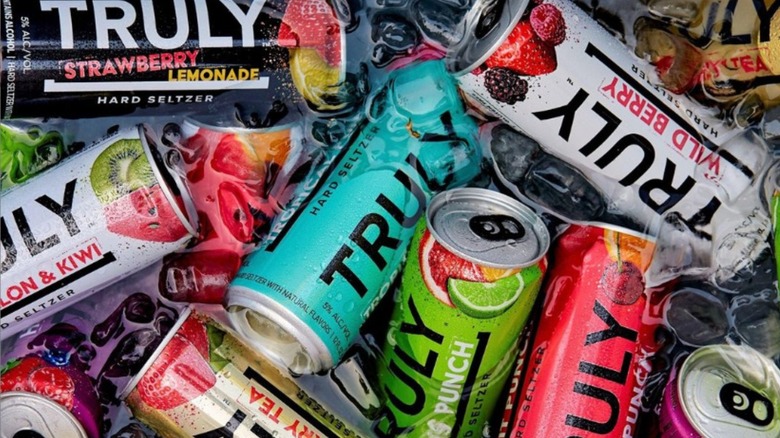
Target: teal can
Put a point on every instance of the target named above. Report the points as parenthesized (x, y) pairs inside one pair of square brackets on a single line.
[(302, 298)]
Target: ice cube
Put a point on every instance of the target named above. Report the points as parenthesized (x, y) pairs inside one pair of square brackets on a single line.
[(696, 316), (558, 187), (756, 321)]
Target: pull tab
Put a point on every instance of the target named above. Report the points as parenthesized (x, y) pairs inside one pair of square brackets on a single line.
[(497, 227), (746, 404)]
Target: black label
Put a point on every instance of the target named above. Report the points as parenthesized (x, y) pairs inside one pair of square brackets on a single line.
[(83, 58)]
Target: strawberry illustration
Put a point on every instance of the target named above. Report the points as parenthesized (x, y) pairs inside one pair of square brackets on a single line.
[(144, 214), (312, 24), (180, 374), (54, 383), (195, 332), (524, 52), (67, 385), (15, 378)]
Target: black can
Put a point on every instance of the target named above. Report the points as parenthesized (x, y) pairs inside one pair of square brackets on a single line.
[(89, 58)]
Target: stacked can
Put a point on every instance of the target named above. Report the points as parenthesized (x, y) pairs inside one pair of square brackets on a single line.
[(474, 269), (590, 356), (124, 57), (723, 390), (96, 217), (203, 381), (303, 298)]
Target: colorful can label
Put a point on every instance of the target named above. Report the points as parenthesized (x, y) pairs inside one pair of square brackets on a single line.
[(583, 98), (203, 381), (513, 388), (673, 423), (107, 338), (454, 333), (96, 58), (91, 220), (239, 180), (65, 384), (591, 352), (723, 390), (719, 52), (305, 295)]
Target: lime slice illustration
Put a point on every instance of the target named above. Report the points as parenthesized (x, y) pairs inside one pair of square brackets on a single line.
[(485, 300)]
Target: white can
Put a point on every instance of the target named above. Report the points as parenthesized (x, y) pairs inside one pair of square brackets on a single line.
[(93, 219), (561, 79)]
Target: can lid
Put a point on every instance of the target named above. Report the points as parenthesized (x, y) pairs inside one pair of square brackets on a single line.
[(171, 183), (730, 390), (277, 333), (488, 24), (488, 228), (29, 414), (185, 313)]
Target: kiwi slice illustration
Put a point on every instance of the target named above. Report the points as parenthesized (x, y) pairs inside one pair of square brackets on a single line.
[(120, 169)]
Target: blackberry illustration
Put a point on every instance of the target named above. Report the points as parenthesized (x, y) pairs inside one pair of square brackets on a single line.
[(506, 86)]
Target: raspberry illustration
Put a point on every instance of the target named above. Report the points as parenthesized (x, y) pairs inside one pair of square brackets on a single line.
[(506, 86), (524, 52), (547, 22)]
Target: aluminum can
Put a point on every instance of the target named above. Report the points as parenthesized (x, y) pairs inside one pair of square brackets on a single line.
[(720, 53), (97, 58), (64, 384), (581, 95), (203, 381), (238, 179), (474, 269), (91, 220), (512, 394), (33, 415), (723, 390), (303, 297), (590, 356)]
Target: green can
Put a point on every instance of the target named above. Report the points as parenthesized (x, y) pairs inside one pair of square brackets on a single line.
[(474, 270)]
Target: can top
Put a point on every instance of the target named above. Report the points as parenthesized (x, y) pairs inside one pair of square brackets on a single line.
[(277, 334), (132, 383), (172, 183), (36, 415), (488, 228), (730, 390), (488, 24)]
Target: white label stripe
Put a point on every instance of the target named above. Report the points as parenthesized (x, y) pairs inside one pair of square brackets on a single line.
[(52, 86)]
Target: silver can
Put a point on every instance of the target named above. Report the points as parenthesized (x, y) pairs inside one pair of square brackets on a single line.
[(729, 391), (33, 415)]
